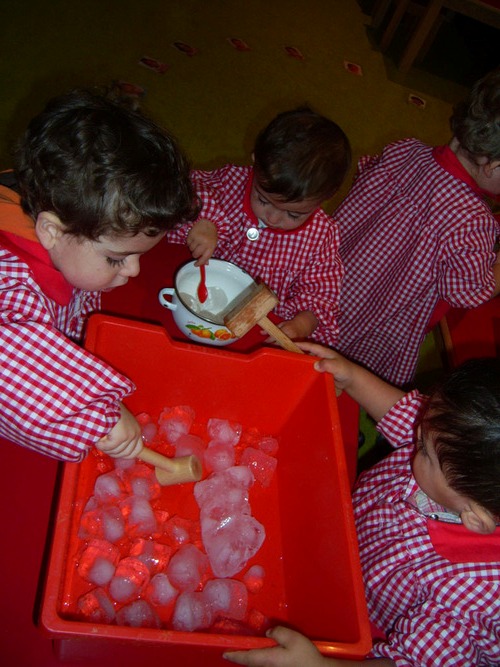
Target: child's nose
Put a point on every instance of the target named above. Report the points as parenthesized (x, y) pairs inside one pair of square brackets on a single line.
[(273, 216), (132, 267)]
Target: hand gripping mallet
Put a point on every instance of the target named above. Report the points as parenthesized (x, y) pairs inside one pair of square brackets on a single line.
[(252, 310)]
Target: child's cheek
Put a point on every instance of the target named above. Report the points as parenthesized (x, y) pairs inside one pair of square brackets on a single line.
[(256, 208)]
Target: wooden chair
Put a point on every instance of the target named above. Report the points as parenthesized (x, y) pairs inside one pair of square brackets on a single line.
[(486, 11), (399, 9), (432, 13), (379, 11)]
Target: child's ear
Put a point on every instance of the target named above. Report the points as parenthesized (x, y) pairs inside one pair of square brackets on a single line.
[(477, 519), (48, 228), (489, 167)]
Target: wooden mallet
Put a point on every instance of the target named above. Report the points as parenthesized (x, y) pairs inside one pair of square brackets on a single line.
[(178, 470), (252, 310)]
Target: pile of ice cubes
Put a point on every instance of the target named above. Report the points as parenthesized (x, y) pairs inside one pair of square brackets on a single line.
[(145, 568)]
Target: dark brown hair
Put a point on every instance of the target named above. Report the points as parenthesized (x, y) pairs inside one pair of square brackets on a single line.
[(103, 169), (463, 416), (301, 155)]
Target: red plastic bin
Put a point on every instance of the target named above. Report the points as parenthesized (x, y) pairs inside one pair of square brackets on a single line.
[(313, 579)]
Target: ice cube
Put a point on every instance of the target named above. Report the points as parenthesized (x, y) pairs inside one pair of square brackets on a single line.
[(189, 444), (141, 481), (98, 561), (269, 445), (160, 591), (149, 432), (223, 431), (181, 530), (227, 597), (261, 464), (123, 464), (187, 568), (227, 489), (130, 579), (153, 554), (191, 612), (96, 606), (139, 517), (231, 542), (138, 614), (148, 427), (101, 522), (219, 457), (258, 622), (144, 418), (174, 422), (254, 578), (109, 488), (113, 524), (250, 437)]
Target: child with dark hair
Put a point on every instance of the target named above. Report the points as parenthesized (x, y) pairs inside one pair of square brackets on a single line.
[(418, 236), (427, 520), (267, 219), (95, 186)]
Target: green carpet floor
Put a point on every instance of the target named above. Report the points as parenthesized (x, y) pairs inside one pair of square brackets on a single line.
[(216, 100)]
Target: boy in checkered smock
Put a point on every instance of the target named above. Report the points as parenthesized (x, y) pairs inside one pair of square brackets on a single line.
[(95, 186), (418, 236), (427, 520), (267, 219)]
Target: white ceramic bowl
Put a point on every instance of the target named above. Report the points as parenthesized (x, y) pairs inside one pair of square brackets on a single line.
[(204, 322)]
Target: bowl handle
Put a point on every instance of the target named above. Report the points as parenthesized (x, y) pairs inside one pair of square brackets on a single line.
[(163, 293)]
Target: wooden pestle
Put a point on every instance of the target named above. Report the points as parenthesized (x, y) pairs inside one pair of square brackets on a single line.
[(178, 470), (252, 310)]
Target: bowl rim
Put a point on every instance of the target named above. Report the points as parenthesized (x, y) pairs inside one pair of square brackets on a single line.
[(192, 262)]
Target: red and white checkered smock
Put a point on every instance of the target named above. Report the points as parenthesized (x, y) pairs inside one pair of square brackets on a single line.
[(412, 233), (302, 266), (55, 397), (435, 602)]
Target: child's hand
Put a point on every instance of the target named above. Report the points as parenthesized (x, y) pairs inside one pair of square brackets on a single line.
[(201, 240), (293, 650), (331, 362), (125, 438), (299, 327)]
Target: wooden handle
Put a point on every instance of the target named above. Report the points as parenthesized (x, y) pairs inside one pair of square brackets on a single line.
[(281, 338), (172, 470), (249, 311)]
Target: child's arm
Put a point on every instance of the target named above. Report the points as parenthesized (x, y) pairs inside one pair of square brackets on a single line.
[(373, 394), (201, 240), (294, 650), (125, 438), (202, 236), (299, 327)]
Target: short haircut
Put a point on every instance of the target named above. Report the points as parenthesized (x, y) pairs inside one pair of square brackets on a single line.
[(476, 121), (301, 155), (463, 417), (103, 169)]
